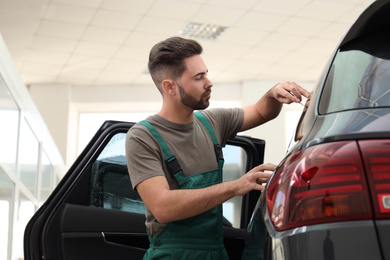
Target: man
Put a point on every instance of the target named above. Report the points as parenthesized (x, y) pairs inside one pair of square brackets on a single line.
[(174, 157)]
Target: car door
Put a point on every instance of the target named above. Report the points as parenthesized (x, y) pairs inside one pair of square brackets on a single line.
[(95, 214)]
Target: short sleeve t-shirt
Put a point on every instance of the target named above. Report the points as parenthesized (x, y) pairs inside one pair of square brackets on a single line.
[(190, 143)]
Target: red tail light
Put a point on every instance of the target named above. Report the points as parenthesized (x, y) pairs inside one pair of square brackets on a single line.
[(323, 183), (376, 156)]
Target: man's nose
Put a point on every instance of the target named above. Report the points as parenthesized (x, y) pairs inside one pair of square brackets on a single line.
[(209, 84)]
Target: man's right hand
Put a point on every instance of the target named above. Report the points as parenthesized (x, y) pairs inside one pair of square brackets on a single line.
[(254, 179)]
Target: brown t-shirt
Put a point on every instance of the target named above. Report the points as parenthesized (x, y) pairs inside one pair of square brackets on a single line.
[(190, 143)]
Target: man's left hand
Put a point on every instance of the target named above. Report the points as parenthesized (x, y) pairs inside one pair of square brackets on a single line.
[(288, 92)]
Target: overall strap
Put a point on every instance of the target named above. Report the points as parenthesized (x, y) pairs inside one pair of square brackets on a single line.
[(202, 118), (217, 147), (170, 160)]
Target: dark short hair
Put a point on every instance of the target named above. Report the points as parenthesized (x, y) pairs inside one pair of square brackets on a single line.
[(166, 58)]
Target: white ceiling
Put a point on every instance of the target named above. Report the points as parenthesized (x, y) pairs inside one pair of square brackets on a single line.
[(106, 42)]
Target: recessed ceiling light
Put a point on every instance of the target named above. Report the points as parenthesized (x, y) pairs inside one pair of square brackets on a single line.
[(202, 31)]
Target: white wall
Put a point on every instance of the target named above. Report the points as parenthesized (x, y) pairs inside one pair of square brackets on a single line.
[(60, 106)]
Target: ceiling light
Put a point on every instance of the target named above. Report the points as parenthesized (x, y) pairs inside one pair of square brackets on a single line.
[(202, 31)]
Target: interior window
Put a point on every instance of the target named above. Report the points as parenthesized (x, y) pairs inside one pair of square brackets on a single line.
[(111, 187), (234, 168), (7, 188), (9, 114), (46, 178), (28, 156)]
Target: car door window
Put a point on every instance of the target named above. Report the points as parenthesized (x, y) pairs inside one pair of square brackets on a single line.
[(110, 182), (111, 186)]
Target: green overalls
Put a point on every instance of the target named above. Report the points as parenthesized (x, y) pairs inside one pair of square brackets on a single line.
[(198, 237)]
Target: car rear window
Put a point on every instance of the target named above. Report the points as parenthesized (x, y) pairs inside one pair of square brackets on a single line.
[(356, 80)]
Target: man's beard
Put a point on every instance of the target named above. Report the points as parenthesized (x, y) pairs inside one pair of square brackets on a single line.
[(191, 102)]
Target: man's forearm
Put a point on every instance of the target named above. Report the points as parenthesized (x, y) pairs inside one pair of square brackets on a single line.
[(169, 205), (268, 106), (185, 203)]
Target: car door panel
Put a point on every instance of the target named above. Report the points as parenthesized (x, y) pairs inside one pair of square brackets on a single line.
[(95, 246), (87, 219), (101, 233)]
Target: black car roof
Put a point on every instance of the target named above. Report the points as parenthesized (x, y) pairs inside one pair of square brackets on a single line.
[(370, 31)]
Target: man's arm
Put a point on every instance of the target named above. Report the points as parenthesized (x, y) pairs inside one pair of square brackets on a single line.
[(170, 205), (270, 105)]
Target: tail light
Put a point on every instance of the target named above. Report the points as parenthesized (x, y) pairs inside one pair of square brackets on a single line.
[(376, 156), (323, 183)]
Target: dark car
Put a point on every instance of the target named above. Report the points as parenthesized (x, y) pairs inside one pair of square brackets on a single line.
[(330, 196), (95, 214)]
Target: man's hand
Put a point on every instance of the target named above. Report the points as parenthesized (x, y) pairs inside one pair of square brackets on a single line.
[(288, 92), (270, 105), (253, 179)]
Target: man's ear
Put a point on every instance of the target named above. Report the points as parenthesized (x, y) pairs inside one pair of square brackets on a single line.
[(168, 86)]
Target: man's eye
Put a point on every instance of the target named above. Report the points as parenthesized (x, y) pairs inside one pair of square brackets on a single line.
[(201, 77)]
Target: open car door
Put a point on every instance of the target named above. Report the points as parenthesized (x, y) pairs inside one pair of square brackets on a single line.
[(95, 214)]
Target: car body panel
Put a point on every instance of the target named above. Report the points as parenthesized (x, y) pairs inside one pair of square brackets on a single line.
[(383, 228), (328, 242), (349, 125), (340, 240)]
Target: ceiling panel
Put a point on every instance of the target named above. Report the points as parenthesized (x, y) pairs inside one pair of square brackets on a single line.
[(15, 24), (219, 15), (174, 9), (46, 43), (69, 13), (247, 4), (105, 35), (280, 6), (96, 49), (60, 29), (48, 57), (86, 3), (77, 62), (298, 26), (128, 6), (282, 42), (315, 10), (159, 25), (260, 21), (115, 20)]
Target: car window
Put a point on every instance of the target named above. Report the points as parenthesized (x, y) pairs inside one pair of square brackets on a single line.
[(111, 186), (110, 182), (356, 80)]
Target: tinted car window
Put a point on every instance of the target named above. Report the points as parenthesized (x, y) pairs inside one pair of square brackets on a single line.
[(110, 183), (111, 186), (356, 80)]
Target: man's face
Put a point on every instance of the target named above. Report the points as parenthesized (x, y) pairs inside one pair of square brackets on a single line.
[(194, 86)]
